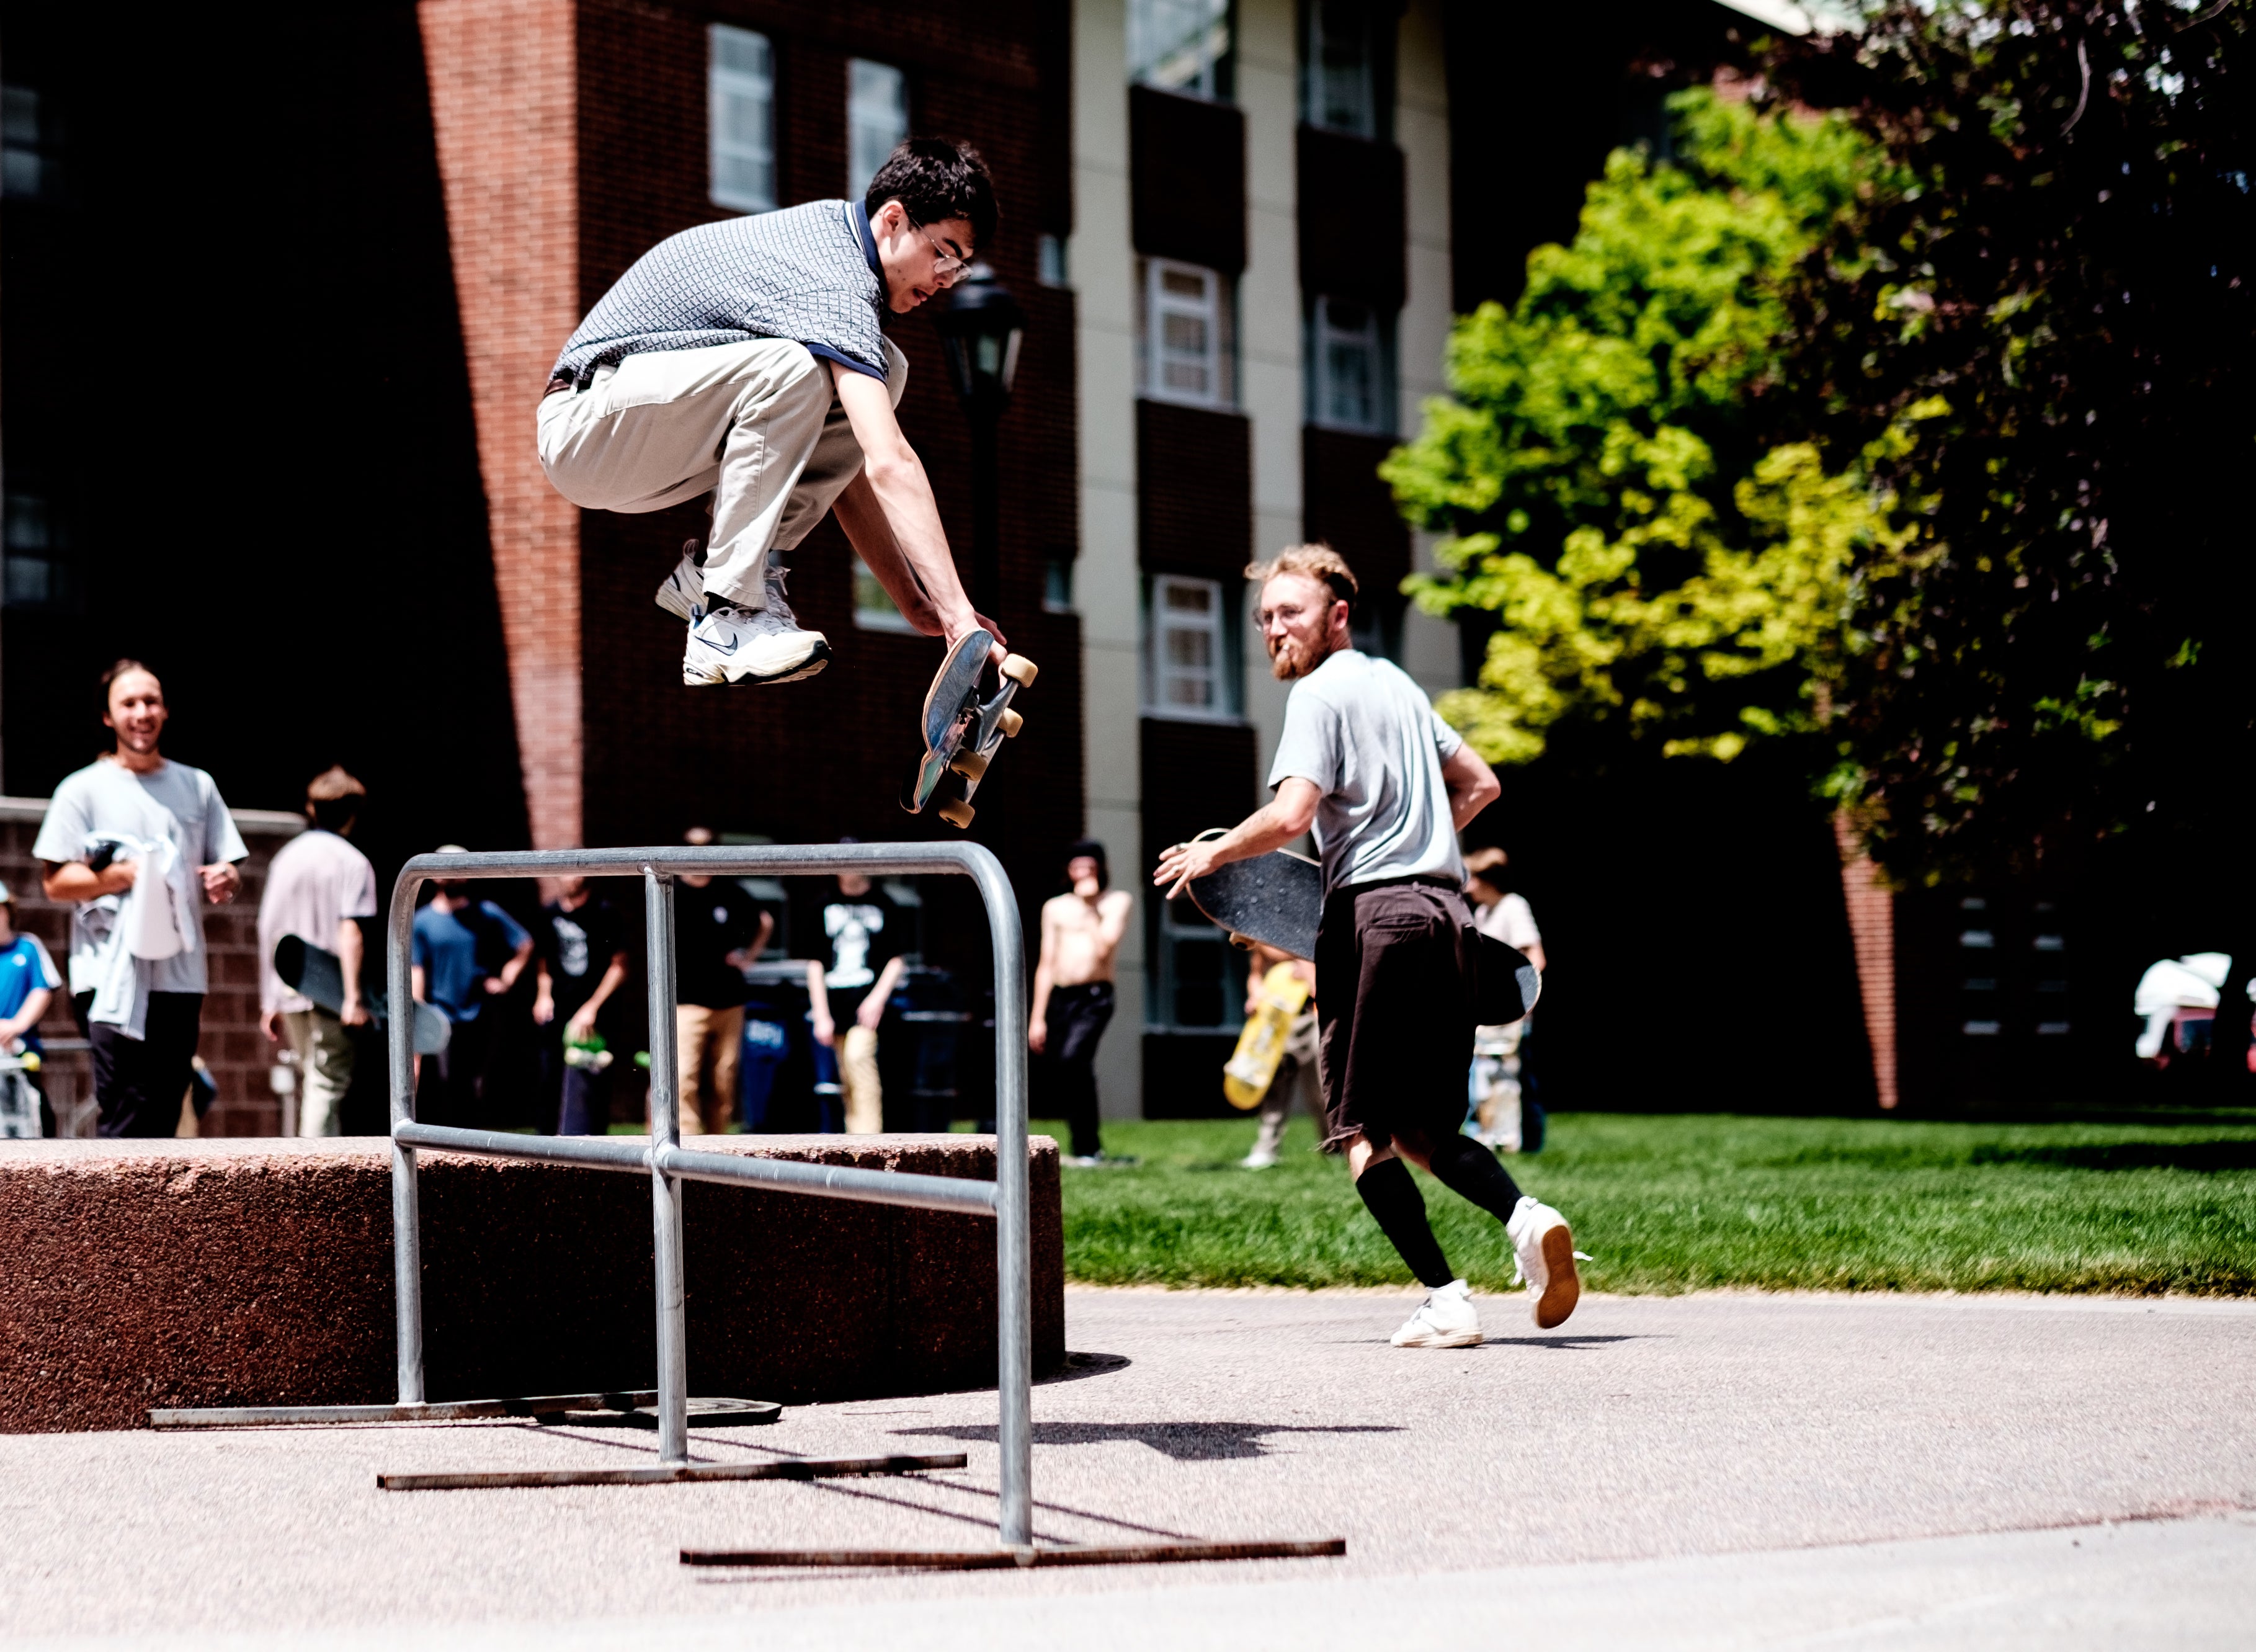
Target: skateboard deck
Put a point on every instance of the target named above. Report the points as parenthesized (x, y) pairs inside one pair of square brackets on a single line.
[(320, 975), (963, 731), (1249, 1072), (1276, 899)]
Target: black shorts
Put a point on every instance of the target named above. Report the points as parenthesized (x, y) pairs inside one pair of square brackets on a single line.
[(1395, 971)]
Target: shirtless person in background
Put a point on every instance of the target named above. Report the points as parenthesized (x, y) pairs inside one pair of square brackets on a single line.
[(1072, 989)]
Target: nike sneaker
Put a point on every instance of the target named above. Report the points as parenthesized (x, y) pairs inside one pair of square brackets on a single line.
[(733, 645), (684, 590), (1445, 1319)]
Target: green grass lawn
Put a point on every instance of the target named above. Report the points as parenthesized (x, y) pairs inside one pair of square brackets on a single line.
[(1673, 1203)]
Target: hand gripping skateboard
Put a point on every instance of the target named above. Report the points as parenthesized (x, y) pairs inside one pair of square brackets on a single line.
[(1249, 1072), (320, 975), (1276, 899), (961, 730)]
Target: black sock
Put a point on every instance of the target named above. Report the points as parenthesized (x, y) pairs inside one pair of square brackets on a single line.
[(1399, 1209), (1470, 1171)]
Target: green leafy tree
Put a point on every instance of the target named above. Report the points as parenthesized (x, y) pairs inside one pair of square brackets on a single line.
[(2063, 268), (1601, 470)]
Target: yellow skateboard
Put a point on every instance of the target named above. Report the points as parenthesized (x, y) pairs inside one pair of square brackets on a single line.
[(1248, 1074)]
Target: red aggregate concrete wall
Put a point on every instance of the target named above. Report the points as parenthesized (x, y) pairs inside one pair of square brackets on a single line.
[(504, 108), (196, 1273)]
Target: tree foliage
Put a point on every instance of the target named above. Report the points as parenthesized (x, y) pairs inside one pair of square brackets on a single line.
[(1602, 470), (2060, 274)]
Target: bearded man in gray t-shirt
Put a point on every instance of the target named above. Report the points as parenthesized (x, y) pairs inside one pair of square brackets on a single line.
[(1386, 785), (746, 359)]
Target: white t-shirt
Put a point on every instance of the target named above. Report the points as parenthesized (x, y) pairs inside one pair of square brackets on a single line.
[(316, 882), (1511, 921), (1368, 738), (174, 801)]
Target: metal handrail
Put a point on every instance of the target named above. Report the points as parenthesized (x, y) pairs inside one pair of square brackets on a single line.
[(668, 1163)]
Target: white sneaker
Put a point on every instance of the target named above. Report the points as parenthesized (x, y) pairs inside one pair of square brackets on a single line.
[(1544, 1252), (729, 644), (1257, 1160), (1445, 1319), (684, 590)]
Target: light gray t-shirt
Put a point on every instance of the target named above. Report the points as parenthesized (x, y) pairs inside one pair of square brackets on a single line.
[(1369, 739), (317, 881), (175, 801)]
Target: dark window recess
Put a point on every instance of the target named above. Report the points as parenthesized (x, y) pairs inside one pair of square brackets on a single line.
[(30, 145), (1194, 498), (40, 571), (1347, 57), (1343, 503), (1188, 162), (1353, 223)]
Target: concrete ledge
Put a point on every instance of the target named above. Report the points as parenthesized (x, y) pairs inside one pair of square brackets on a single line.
[(199, 1273)]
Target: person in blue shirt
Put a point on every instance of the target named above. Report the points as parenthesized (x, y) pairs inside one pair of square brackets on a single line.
[(465, 951), (28, 981)]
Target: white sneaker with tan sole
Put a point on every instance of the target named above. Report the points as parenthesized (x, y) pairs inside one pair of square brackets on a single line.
[(1545, 1252), (1445, 1319)]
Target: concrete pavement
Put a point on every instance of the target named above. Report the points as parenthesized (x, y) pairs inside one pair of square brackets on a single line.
[(1713, 1470)]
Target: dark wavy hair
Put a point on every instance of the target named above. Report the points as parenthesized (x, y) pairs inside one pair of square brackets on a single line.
[(935, 178)]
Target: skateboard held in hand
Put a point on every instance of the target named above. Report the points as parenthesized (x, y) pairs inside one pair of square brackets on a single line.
[(962, 727), (1277, 898)]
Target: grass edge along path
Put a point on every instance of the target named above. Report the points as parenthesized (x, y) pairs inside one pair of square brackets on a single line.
[(1667, 1203)]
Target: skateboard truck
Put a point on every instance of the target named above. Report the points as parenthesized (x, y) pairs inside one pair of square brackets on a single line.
[(961, 730)]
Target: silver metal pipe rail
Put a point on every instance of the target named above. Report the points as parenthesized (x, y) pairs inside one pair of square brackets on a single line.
[(662, 1157), (668, 1164)]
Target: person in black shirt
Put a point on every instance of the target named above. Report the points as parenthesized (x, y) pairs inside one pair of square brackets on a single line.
[(582, 962), (718, 932), (868, 938)]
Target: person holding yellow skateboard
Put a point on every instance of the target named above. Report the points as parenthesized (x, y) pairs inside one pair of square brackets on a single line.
[(1386, 785), (1275, 1064)]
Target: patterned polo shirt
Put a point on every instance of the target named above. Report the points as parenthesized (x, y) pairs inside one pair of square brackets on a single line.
[(810, 273)]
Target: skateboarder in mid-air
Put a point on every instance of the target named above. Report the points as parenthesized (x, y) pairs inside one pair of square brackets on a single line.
[(746, 359), (1387, 785)]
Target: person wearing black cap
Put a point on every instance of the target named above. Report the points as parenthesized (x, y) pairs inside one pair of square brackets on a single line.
[(1081, 934)]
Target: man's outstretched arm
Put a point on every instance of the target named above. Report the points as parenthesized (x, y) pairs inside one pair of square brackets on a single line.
[(903, 493), (1273, 825)]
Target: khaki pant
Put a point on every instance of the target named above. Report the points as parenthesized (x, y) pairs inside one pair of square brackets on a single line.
[(757, 425), (857, 1077), (709, 1042), (325, 1069)]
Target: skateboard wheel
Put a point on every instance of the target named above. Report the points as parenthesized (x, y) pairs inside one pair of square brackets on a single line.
[(971, 764), (956, 812), (1010, 721), (1020, 670)]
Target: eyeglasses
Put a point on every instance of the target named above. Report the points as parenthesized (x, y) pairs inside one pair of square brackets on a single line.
[(947, 268)]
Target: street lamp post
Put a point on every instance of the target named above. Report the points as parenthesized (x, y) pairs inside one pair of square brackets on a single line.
[(980, 326)]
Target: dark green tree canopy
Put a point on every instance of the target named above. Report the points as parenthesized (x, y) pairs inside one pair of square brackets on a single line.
[(2066, 266)]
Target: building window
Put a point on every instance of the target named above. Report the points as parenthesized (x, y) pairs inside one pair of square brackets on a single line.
[(1057, 585), (30, 145), (877, 120), (1187, 656), (1049, 260), (1198, 979), (1182, 45), (39, 573), (1350, 367), (1344, 68), (874, 608), (740, 116), (1186, 334)]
